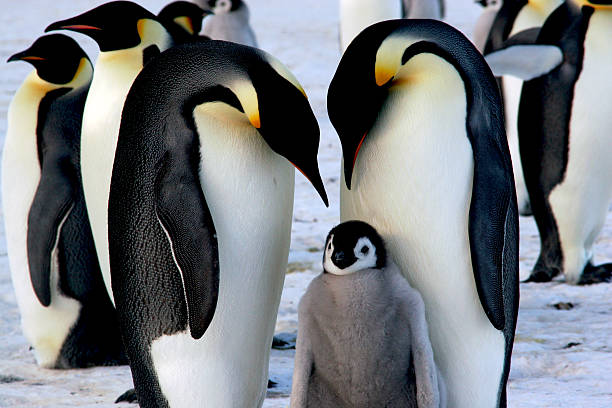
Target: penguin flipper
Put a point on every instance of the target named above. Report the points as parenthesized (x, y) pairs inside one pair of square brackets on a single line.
[(185, 217), (525, 61), (53, 201)]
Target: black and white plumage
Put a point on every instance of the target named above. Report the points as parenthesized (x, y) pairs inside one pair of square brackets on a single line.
[(426, 163), (514, 17), (362, 337), (128, 36), (200, 218), (66, 314), (564, 121), (229, 22), (183, 20)]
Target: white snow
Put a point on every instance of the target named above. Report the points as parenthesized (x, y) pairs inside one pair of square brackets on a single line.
[(304, 36)]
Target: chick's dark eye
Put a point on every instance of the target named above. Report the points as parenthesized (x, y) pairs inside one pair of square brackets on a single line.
[(365, 249)]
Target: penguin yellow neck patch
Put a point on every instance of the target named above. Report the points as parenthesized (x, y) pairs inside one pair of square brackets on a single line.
[(389, 57), (594, 5), (186, 23)]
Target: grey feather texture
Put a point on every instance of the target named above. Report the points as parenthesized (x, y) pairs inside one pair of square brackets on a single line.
[(229, 25), (363, 342)]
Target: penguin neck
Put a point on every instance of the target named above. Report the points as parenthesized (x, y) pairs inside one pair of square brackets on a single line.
[(534, 14)]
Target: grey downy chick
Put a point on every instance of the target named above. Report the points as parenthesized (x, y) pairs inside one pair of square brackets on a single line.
[(362, 336), (230, 22)]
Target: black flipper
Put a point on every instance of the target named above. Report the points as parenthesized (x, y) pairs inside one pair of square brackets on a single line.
[(184, 214), (51, 205)]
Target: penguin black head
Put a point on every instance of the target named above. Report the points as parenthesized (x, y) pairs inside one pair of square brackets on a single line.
[(353, 246), (224, 6), (116, 25), (182, 15), (56, 58)]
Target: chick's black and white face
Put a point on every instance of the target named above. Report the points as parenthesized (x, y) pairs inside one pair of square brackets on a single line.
[(223, 6), (351, 247)]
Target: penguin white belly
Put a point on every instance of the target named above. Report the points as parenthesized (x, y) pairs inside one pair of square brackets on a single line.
[(413, 183), (45, 328), (355, 15), (249, 190), (580, 202), (528, 17), (113, 76)]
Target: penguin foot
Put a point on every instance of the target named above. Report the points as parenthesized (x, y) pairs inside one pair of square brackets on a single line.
[(128, 396), (539, 276), (284, 341), (596, 274), (272, 384)]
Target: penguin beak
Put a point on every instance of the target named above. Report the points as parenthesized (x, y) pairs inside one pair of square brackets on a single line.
[(24, 56), (64, 25)]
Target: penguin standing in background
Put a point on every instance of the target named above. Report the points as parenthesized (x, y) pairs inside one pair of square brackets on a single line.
[(183, 20), (564, 124), (363, 335), (128, 36), (355, 15), (483, 24), (426, 163), (229, 22), (513, 17), (200, 216), (66, 314)]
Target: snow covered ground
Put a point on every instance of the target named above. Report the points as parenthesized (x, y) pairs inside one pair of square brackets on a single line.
[(562, 358)]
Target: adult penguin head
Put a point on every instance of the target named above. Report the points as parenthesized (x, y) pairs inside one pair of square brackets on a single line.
[(184, 16), (281, 113), (57, 58), (116, 25), (381, 57)]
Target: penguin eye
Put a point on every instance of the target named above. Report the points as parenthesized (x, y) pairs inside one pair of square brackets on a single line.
[(365, 250)]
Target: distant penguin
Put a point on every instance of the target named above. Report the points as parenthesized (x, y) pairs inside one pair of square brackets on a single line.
[(485, 22), (355, 15), (565, 117), (229, 22), (513, 17), (66, 314), (183, 20), (426, 163), (200, 219), (128, 37), (363, 340)]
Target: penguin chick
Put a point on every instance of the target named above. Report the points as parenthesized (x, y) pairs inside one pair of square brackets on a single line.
[(183, 20), (230, 22), (363, 339)]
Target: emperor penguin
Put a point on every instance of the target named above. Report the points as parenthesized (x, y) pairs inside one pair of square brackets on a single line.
[(564, 122), (426, 163), (229, 22), (200, 219), (128, 37), (513, 17), (355, 15), (363, 340), (183, 19), (483, 24), (66, 314)]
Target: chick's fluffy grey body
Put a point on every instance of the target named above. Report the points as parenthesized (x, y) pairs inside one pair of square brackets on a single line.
[(362, 341)]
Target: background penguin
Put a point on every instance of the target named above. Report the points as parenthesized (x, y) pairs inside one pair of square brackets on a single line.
[(183, 20), (128, 37), (564, 122), (426, 163), (229, 22), (485, 22), (355, 15), (66, 314), (200, 217), (513, 17), (363, 339)]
